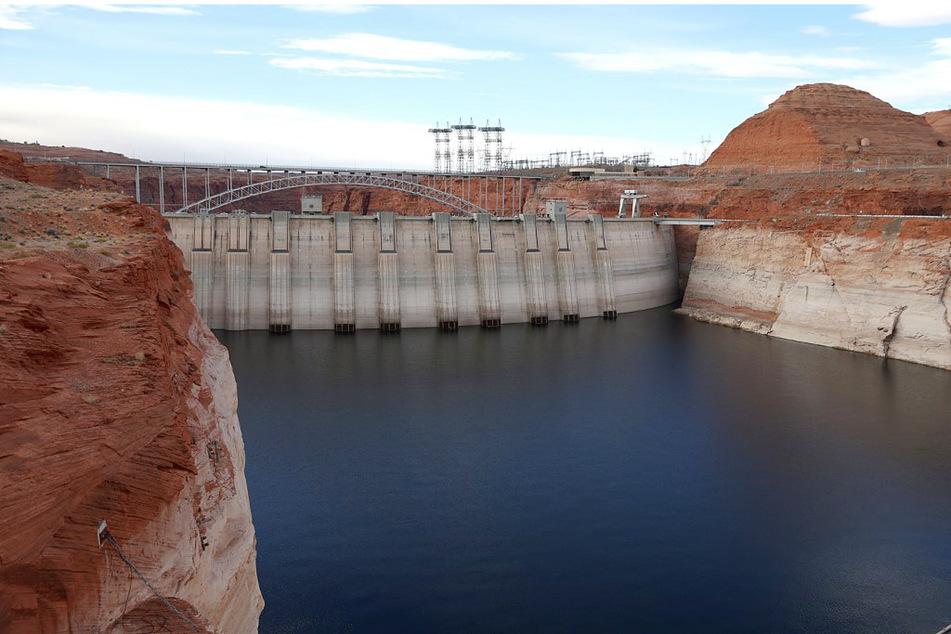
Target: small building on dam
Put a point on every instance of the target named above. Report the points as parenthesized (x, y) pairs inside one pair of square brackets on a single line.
[(286, 271)]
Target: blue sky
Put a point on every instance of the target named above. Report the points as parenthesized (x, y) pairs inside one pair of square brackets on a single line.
[(355, 85)]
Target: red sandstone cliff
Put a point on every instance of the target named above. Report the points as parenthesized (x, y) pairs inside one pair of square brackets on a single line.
[(818, 125), (940, 120), (116, 403), (49, 174)]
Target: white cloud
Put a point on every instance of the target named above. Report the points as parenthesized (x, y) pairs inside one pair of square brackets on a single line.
[(115, 8), (66, 87), (915, 89), (815, 29), (907, 13), (767, 99), (334, 9), (715, 63), (923, 88), (10, 19), (357, 68), (226, 52), (381, 47), (942, 45), (202, 130)]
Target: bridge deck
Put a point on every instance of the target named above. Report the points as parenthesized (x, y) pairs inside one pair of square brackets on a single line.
[(302, 169), (464, 193)]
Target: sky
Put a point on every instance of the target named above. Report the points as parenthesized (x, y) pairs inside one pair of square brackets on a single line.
[(360, 85)]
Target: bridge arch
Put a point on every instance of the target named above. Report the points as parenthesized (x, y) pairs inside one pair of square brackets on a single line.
[(236, 194)]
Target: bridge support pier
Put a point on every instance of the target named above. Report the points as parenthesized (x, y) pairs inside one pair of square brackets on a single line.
[(487, 271), (279, 286), (604, 270), (389, 274), (447, 311), (344, 311)]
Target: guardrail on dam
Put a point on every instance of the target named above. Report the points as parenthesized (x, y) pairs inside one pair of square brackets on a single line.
[(345, 272)]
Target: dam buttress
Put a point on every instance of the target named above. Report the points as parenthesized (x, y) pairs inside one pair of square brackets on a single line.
[(284, 271)]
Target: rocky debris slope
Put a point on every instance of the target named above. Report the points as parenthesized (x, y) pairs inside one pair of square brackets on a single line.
[(116, 403), (878, 286), (832, 125)]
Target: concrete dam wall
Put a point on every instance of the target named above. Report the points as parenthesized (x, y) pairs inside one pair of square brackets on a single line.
[(344, 272)]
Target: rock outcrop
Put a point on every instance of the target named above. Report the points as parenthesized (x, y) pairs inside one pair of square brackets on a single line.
[(940, 120), (818, 126), (877, 286), (117, 404), (49, 174), (12, 166)]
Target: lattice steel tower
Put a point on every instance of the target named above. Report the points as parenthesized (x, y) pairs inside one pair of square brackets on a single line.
[(492, 159), (442, 159), (465, 147)]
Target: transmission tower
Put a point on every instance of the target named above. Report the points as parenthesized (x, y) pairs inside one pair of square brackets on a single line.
[(492, 159), (442, 159), (465, 148), (704, 141)]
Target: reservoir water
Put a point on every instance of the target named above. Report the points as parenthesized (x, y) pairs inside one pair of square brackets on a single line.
[(650, 474)]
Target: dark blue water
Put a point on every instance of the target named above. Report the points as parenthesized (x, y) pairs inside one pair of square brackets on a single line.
[(650, 474)]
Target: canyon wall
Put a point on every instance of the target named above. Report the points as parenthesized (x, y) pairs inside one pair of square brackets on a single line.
[(877, 286), (117, 404)]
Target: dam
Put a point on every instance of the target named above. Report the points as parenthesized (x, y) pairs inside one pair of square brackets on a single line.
[(343, 272)]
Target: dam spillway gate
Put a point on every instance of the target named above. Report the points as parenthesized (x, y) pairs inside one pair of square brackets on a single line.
[(284, 272)]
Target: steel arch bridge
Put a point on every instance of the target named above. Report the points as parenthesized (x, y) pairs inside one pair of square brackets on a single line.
[(463, 194), (211, 203)]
